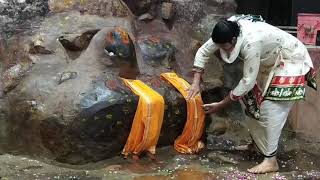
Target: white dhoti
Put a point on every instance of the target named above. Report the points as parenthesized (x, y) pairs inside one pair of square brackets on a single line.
[(266, 130), (267, 115)]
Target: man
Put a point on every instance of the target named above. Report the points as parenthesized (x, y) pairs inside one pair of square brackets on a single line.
[(276, 67)]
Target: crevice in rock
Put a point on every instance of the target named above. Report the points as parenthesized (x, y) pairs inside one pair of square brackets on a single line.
[(74, 45)]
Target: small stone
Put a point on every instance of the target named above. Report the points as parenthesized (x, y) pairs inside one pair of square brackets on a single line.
[(167, 10), (195, 45), (13, 75), (66, 76), (114, 168), (145, 17), (36, 49), (37, 46)]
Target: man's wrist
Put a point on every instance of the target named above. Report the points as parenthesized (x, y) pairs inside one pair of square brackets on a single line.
[(197, 77), (197, 69), (226, 101), (234, 97)]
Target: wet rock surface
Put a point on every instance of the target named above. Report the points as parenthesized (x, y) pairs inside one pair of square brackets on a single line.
[(294, 162), (74, 108)]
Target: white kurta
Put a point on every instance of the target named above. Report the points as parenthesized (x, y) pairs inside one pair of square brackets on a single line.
[(259, 45)]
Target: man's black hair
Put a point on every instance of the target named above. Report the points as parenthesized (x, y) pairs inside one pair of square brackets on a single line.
[(224, 31)]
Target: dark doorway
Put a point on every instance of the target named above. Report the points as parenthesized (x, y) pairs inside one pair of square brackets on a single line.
[(318, 39), (278, 12), (304, 6), (274, 12)]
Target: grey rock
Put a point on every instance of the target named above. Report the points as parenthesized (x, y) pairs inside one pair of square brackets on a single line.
[(66, 76), (77, 41), (139, 7), (37, 47), (189, 11), (13, 75), (232, 76), (221, 157), (145, 17), (157, 52), (217, 127), (167, 10), (84, 119), (88, 118), (219, 143), (22, 15)]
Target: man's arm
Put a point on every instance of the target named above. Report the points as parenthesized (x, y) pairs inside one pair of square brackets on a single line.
[(202, 57), (250, 70), (203, 54), (250, 73)]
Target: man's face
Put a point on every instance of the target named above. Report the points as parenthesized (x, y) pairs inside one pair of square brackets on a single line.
[(229, 46)]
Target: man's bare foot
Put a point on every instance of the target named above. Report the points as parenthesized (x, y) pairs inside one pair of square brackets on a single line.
[(268, 165)]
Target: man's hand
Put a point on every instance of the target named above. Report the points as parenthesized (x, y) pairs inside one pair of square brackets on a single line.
[(217, 106), (213, 107), (193, 90), (195, 86)]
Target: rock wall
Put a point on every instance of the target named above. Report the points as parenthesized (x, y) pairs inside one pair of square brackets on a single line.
[(61, 95)]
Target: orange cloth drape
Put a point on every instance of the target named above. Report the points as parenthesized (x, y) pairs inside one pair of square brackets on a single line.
[(189, 141), (147, 122)]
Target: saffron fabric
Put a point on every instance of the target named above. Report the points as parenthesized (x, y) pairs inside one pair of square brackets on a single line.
[(147, 122), (189, 142)]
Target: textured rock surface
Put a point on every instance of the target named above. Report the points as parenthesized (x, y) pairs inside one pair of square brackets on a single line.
[(61, 94), (78, 110), (16, 17)]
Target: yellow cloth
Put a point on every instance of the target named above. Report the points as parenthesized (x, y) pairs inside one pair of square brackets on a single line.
[(189, 141), (147, 122)]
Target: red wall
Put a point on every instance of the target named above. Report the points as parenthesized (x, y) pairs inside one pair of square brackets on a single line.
[(305, 115)]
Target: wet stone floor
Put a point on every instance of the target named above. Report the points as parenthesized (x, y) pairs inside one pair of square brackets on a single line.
[(297, 160)]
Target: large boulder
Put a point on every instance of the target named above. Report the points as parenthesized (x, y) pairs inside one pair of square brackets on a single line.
[(62, 94), (139, 7), (79, 110), (192, 11), (157, 52)]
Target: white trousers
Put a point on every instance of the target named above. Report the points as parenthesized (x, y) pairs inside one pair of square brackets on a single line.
[(267, 130)]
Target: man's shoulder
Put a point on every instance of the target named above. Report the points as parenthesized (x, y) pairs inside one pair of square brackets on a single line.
[(247, 17)]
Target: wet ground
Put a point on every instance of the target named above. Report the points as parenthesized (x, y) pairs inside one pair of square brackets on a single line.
[(298, 159)]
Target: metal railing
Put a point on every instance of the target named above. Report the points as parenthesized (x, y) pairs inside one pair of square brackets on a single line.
[(289, 29)]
